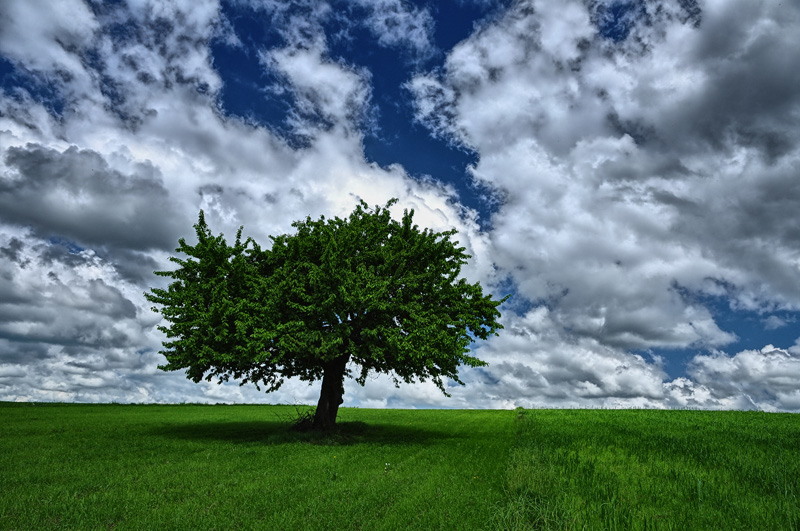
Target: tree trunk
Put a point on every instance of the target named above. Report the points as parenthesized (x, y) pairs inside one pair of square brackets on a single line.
[(330, 397)]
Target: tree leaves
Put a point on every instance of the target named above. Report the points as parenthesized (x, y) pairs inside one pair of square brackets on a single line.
[(382, 292)]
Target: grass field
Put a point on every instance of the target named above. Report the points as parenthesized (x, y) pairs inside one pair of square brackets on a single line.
[(239, 467)]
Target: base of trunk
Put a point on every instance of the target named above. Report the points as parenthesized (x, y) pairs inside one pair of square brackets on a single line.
[(330, 397)]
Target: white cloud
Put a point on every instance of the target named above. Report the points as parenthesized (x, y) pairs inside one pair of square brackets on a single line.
[(95, 200), (396, 23), (614, 209), (563, 27), (766, 379), (773, 322), (634, 176), (44, 35), (534, 364), (634, 180), (324, 90)]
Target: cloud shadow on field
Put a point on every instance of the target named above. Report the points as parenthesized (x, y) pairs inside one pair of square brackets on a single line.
[(279, 432)]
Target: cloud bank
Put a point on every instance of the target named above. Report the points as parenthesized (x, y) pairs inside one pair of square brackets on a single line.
[(638, 164)]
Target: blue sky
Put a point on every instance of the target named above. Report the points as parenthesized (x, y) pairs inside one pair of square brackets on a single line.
[(627, 170)]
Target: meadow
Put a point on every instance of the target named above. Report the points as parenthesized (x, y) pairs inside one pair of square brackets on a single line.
[(66, 466)]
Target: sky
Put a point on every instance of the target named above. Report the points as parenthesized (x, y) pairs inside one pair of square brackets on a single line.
[(629, 171)]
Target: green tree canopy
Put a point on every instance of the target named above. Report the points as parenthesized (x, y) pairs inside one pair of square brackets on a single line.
[(364, 294)]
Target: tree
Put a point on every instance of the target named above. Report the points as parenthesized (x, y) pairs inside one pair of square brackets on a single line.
[(366, 291)]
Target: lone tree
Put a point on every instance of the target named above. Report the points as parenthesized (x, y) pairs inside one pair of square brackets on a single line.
[(366, 291)]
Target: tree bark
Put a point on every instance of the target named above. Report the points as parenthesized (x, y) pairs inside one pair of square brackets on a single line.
[(330, 397)]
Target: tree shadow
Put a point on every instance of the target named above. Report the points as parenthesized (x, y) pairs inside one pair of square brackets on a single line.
[(280, 432)]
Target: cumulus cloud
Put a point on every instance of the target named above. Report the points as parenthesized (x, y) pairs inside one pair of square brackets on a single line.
[(326, 93), (67, 194), (533, 364), (640, 163), (94, 199), (631, 174), (43, 35), (536, 364), (763, 379), (70, 327)]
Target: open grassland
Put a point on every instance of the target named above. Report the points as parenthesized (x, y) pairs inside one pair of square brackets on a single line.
[(239, 467), (578, 469)]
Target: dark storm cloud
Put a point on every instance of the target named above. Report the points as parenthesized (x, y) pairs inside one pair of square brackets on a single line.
[(754, 227), (59, 251), (749, 94), (11, 251), (22, 353), (68, 314), (134, 266), (76, 195), (55, 298)]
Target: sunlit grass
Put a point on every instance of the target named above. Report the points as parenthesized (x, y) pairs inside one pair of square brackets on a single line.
[(681, 470), (240, 467)]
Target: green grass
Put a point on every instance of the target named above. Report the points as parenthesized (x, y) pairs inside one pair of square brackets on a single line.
[(239, 467), (653, 470)]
